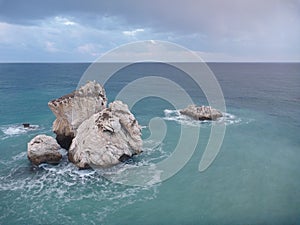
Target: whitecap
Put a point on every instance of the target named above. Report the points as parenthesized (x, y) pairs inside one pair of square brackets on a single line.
[(14, 130), (229, 119)]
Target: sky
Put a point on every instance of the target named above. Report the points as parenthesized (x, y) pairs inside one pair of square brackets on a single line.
[(217, 30)]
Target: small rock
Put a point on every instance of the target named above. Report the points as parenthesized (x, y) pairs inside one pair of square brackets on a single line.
[(26, 125), (201, 112), (43, 149)]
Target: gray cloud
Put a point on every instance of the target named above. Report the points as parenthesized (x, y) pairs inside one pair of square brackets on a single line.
[(238, 27), (222, 16)]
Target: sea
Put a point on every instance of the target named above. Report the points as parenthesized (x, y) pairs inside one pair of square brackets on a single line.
[(254, 179)]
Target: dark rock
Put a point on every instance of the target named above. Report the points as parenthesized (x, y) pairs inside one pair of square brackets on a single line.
[(64, 141), (26, 125), (124, 158)]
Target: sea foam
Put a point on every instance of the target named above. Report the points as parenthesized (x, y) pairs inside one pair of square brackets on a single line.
[(14, 130)]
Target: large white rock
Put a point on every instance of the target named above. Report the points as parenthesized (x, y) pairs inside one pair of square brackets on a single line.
[(72, 109), (201, 112), (106, 138), (43, 149)]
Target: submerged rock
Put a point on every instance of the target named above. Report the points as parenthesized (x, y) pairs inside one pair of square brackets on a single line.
[(26, 125), (43, 149), (201, 112), (72, 109), (106, 138)]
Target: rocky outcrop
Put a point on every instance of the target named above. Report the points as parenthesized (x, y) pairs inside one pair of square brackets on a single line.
[(201, 112), (72, 109), (96, 136), (43, 149), (106, 138)]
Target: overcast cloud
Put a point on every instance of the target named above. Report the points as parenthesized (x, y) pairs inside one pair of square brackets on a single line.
[(74, 30)]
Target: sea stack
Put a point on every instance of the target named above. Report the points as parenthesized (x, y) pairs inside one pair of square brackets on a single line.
[(106, 138), (201, 112), (94, 135), (74, 108)]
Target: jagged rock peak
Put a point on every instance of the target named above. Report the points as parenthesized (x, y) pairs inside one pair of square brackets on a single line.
[(72, 109)]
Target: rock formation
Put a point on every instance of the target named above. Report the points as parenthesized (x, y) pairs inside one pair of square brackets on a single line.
[(106, 138), (201, 112), (43, 149), (72, 109), (96, 136)]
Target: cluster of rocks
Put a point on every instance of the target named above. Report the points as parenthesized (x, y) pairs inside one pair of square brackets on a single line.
[(93, 134)]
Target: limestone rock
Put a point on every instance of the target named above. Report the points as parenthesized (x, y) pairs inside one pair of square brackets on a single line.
[(106, 138), (72, 109), (201, 112), (43, 149)]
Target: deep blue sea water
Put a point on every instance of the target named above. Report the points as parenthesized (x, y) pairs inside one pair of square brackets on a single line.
[(255, 178)]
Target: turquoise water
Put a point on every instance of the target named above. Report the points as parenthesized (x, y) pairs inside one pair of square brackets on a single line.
[(255, 179)]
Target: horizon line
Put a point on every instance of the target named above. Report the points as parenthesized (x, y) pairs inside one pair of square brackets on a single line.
[(73, 62)]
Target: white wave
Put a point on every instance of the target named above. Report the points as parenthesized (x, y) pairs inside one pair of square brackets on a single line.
[(229, 119), (69, 184), (153, 152), (13, 130), (133, 174), (174, 115), (19, 156), (67, 174), (141, 169)]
